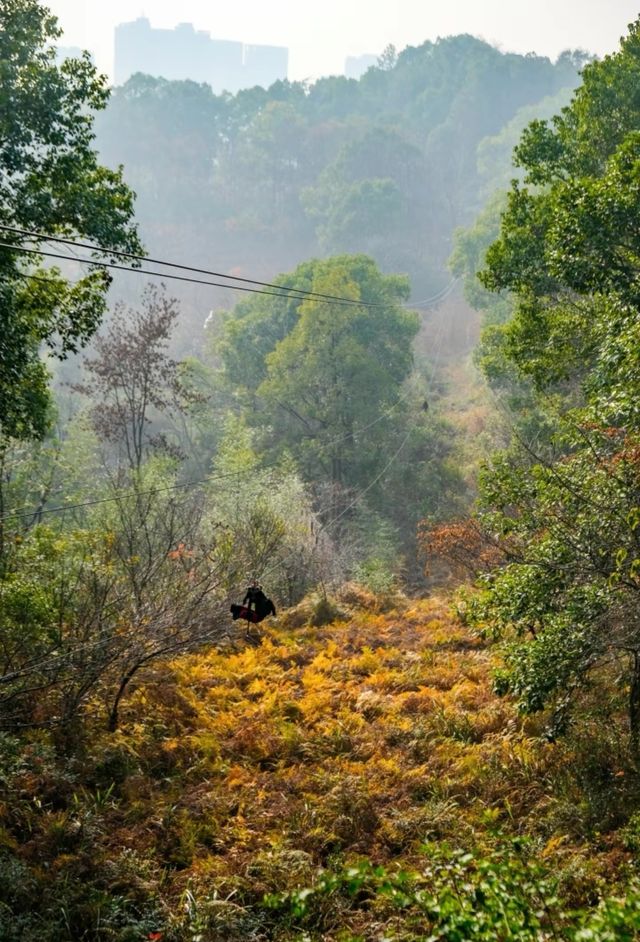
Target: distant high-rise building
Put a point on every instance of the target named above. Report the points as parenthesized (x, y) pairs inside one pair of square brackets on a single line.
[(187, 53), (356, 66)]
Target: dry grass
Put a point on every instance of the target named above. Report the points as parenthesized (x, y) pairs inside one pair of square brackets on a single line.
[(242, 771)]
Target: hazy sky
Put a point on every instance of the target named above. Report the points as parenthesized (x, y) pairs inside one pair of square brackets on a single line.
[(321, 33)]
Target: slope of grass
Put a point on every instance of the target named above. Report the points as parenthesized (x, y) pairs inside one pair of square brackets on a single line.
[(240, 774)]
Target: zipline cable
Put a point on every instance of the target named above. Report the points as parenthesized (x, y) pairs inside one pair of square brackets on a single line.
[(124, 495), (156, 261), (291, 292), (182, 278), (437, 298)]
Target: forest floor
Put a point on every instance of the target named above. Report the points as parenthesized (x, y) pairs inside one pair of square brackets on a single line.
[(239, 773)]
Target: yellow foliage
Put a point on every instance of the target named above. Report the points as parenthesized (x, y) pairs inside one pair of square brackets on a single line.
[(362, 737), (553, 844)]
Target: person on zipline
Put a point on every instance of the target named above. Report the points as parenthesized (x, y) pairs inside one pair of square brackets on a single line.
[(262, 606)]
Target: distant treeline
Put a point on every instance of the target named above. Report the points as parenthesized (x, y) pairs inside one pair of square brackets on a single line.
[(388, 165)]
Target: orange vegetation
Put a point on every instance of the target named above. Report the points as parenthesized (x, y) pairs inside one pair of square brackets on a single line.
[(239, 772)]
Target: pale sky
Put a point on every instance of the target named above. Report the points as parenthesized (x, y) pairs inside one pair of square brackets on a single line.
[(320, 34)]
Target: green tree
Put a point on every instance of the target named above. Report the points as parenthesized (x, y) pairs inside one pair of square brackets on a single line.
[(50, 181), (567, 510), (333, 385), (495, 153), (337, 369)]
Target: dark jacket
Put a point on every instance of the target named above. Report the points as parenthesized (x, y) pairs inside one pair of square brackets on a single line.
[(261, 604)]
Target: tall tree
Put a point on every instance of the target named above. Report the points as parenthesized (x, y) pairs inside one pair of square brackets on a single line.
[(566, 602), (51, 182), (132, 380), (333, 386), (335, 369)]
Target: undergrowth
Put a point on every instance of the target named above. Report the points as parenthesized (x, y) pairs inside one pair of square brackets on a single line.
[(342, 781)]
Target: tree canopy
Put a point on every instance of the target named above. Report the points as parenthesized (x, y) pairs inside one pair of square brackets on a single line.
[(50, 182), (334, 386), (386, 165), (336, 367), (565, 504)]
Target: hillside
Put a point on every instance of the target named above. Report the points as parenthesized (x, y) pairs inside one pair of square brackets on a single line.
[(255, 183), (238, 773), (438, 738)]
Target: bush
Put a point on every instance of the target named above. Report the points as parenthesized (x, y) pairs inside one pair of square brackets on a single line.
[(502, 894)]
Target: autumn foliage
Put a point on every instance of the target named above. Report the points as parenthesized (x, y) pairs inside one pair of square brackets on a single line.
[(457, 550), (237, 774)]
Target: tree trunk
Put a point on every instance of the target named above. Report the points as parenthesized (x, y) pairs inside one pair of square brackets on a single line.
[(124, 683), (3, 560), (634, 705)]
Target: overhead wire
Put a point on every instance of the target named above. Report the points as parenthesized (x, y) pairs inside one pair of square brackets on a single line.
[(280, 290), (182, 278), (360, 494), (438, 297), (116, 253), (387, 412), (123, 495)]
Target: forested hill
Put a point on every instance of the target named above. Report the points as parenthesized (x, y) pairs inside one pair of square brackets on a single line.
[(388, 165), (387, 758)]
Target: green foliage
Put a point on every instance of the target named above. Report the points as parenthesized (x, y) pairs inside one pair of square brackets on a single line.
[(463, 897), (325, 612), (328, 369), (338, 368), (51, 182), (469, 254), (386, 165), (366, 199), (376, 574), (331, 385), (495, 154), (564, 498)]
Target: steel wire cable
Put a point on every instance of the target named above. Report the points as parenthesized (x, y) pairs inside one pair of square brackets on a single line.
[(294, 293), (115, 253), (123, 495), (291, 291)]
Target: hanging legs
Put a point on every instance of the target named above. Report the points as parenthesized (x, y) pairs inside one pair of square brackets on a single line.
[(241, 611)]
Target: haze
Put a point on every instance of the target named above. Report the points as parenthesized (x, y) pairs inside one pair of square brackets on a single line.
[(321, 34)]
